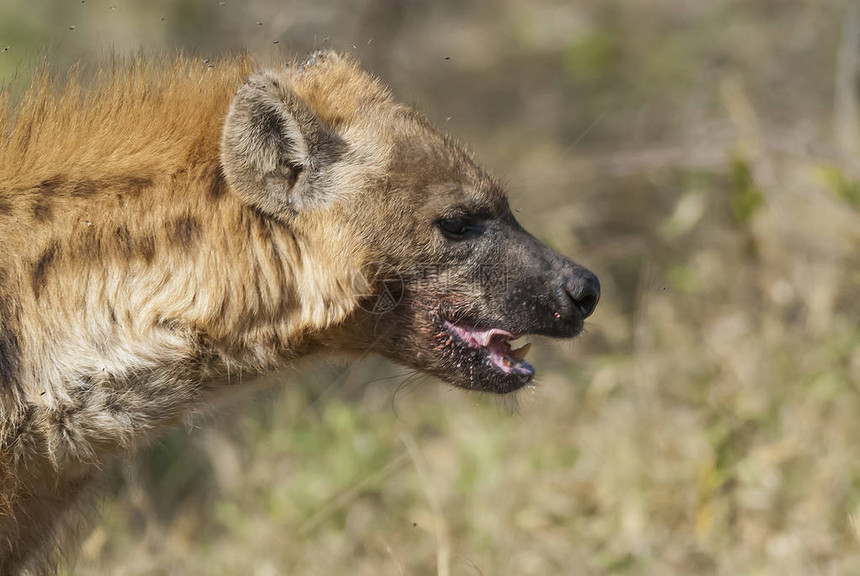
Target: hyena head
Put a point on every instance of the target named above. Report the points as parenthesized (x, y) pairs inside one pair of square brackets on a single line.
[(450, 278)]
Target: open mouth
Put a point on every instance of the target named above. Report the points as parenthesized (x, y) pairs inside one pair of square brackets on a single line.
[(494, 345)]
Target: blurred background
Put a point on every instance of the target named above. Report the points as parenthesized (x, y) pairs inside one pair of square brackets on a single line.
[(703, 158)]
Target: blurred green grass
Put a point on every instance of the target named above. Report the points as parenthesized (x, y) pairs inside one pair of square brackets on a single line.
[(691, 154)]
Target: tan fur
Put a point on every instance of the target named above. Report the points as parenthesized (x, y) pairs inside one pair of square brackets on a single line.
[(134, 282)]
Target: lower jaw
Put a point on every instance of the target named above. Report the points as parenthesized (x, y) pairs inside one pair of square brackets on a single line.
[(511, 383), (488, 370), (493, 380)]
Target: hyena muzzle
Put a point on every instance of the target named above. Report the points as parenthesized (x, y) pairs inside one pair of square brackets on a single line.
[(463, 280)]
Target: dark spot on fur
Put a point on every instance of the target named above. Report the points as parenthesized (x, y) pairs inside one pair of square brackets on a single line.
[(169, 324), (83, 188), (186, 230), (124, 240), (135, 185), (265, 231), (40, 269), (91, 244), (5, 207), (112, 314), (146, 247), (10, 349), (10, 355), (132, 186), (42, 210), (49, 186), (44, 194), (246, 221), (114, 402), (218, 187), (275, 251)]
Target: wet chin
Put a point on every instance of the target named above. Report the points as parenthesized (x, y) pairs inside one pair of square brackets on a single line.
[(484, 378)]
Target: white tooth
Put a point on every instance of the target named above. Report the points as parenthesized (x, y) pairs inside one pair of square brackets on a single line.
[(520, 353)]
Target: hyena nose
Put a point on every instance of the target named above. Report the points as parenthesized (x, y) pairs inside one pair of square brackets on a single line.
[(580, 292)]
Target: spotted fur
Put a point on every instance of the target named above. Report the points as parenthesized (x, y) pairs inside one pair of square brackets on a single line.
[(132, 281)]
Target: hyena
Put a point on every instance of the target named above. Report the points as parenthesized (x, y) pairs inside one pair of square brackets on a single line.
[(170, 232)]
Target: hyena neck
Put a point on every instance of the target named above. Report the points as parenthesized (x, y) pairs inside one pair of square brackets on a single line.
[(124, 309), (133, 316)]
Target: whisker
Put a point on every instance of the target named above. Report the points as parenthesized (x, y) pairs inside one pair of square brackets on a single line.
[(410, 381)]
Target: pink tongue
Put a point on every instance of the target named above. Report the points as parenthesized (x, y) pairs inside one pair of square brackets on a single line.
[(480, 337), (486, 336)]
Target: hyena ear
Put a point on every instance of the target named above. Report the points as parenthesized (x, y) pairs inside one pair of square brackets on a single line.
[(274, 146)]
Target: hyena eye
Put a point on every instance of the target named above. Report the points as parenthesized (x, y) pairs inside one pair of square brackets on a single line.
[(459, 228)]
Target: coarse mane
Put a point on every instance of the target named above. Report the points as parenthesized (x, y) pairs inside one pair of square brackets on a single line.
[(136, 112)]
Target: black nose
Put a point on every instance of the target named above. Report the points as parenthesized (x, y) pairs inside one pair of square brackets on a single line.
[(582, 291)]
